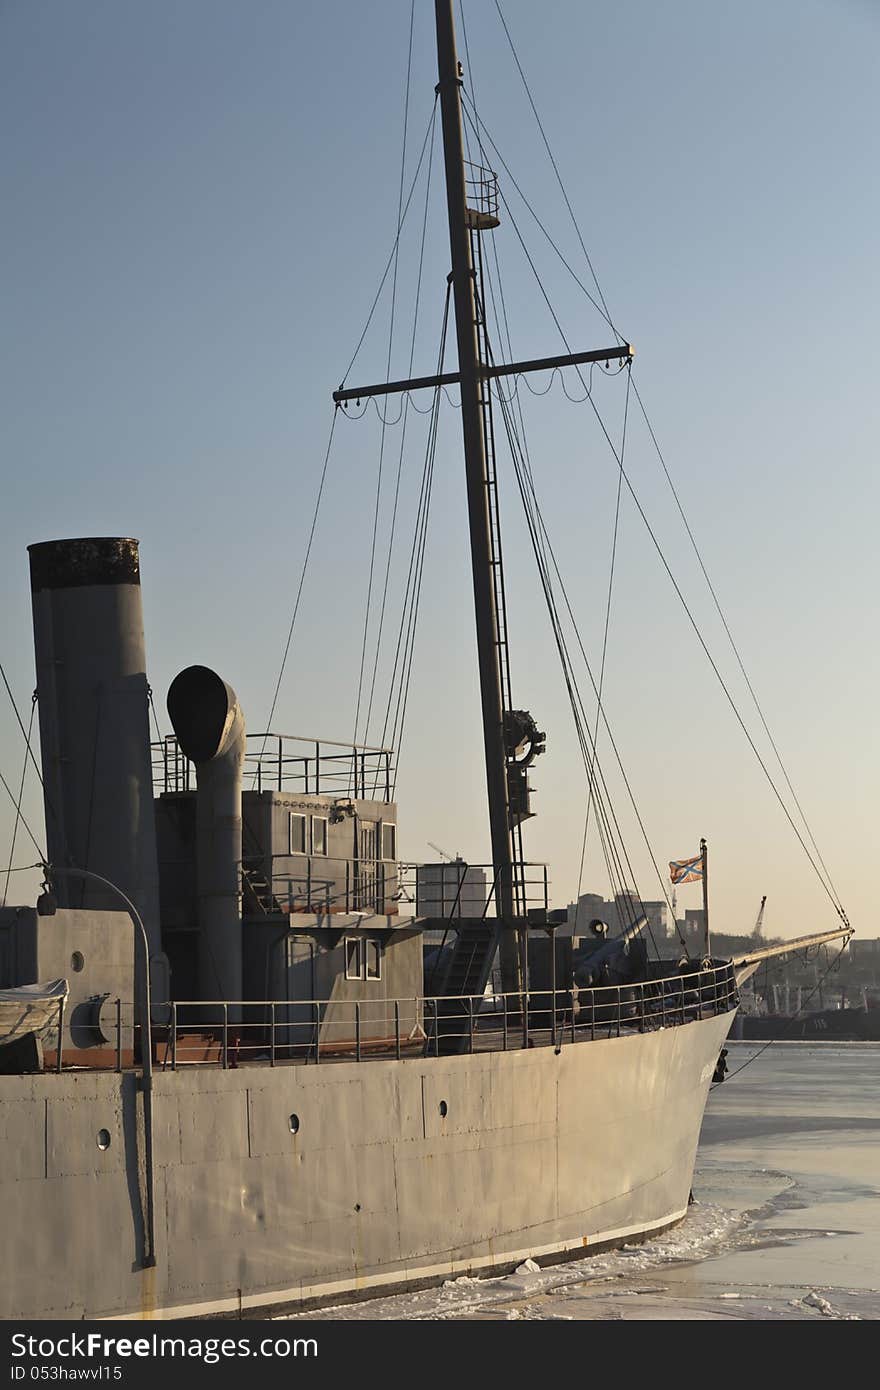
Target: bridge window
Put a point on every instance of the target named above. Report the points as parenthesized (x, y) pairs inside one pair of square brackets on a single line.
[(319, 834), (353, 967), (297, 834), (373, 950), (363, 958), (389, 840)]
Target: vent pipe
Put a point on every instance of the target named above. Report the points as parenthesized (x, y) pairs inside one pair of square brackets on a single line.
[(94, 726), (210, 729)]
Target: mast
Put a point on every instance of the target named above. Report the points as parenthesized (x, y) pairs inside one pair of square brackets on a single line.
[(470, 375), (504, 729)]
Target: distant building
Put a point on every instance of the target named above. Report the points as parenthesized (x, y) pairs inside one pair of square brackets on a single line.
[(694, 929), (865, 951), (450, 889)]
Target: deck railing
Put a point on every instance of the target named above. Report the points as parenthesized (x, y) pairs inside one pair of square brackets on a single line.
[(228, 1034), (289, 762)]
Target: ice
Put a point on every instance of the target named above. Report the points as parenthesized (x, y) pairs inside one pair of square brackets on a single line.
[(786, 1224)]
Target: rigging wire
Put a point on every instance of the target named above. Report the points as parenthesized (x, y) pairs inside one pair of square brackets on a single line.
[(828, 890), (299, 590), (833, 894), (417, 565), (617, 860), (402, 444), (20, 815), (610, 837), (520, 445), (604, 655), (555, 167), (20, 796), (467, 102), (155, 715), (403, 696), (27, 741), (606, 836), (733, 645), (369, 598), (818, 985), (412, 188)]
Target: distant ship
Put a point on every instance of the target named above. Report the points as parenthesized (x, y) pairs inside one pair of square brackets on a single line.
[(819, 1025), (277, 1110)]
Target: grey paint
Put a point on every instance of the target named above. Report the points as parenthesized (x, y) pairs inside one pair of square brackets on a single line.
[(210, 728), (538, 1153), (43, 948), (302, 958), (326, 881), (94, 733)]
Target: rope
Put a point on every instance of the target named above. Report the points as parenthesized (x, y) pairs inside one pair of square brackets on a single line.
[(794, 1019)]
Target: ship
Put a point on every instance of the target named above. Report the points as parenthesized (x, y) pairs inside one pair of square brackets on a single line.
[(845, 1024), (254, 1098)]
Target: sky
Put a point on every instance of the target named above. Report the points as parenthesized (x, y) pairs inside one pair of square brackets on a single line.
[(200, 200)]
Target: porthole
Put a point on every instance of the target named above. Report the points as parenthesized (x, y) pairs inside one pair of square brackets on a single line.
[(444, 1109), (103, 1139), (293, 1124), (77, 961)]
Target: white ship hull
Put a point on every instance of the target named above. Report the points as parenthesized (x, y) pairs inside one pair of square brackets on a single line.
[(539, 1153)]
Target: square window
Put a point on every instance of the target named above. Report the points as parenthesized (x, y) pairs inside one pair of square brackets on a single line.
[(353, 967), (389, 840), (297, 834), (319, 834), (374, 959)]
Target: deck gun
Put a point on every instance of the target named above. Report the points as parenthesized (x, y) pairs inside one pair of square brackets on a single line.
[(612, 961)]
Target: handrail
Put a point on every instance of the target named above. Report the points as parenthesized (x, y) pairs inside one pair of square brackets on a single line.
[(318, 1030), (290, 762)]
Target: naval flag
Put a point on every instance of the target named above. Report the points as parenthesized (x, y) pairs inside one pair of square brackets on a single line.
[(686, 870)]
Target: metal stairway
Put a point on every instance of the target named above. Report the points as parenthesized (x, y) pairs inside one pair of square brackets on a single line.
[(258, 900), (466, 977), (258, 897)]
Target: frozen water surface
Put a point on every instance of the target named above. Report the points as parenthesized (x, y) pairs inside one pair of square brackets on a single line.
[(786, 1221)]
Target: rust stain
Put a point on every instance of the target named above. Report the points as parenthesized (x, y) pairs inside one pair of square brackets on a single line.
[(148, 1293)]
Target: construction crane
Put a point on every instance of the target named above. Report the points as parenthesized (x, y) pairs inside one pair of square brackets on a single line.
[(453, 858), (759, 921)]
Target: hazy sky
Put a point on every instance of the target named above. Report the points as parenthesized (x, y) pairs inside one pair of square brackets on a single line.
[(199, 201)]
